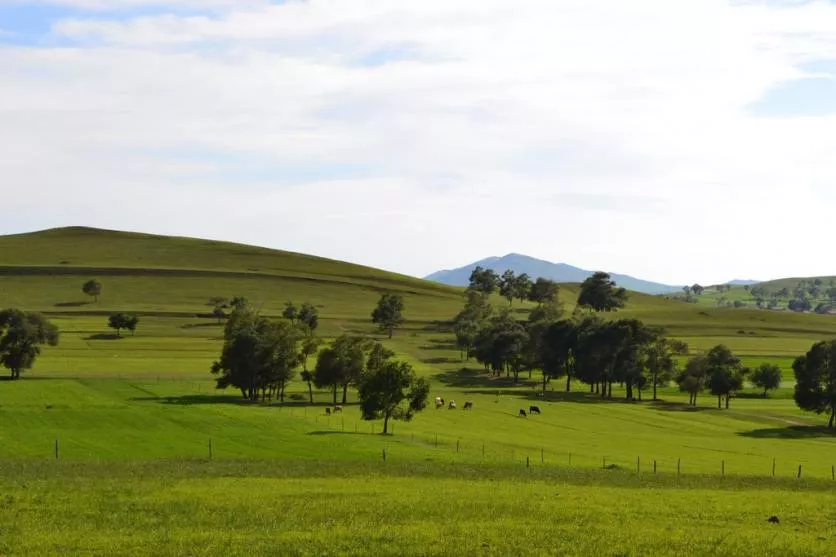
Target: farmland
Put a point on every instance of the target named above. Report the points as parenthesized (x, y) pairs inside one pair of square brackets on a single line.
[(131, 421)]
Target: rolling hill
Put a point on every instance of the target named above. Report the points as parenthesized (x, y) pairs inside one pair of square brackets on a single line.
[(560, 272)]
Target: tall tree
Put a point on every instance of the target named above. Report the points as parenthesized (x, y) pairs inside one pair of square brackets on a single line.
[(600, 293), (522, 287), (466, 331), (815, 380), (310, 345), (21, 336), (697, 289), (388, 314), (258, 355), (92, 288), (309, 316), (483, 280), (290, 312), (500, 345), (660, 359), (560, 341), (384, 390), (725, 373), (544, 290), (692, 379), (342, 364), (508, 286), (767, 377)]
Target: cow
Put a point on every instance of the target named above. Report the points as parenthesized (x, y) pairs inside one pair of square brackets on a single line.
[(338, 408), (327, 411), (533, 409), (452, 405), (439, 402), (522, 413), (468, 405)]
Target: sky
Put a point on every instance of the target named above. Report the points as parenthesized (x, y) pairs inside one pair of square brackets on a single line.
[(674, 140)]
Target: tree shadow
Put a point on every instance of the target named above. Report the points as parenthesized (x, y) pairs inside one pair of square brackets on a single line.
[(104, 336), (439, 344), (71, 304), (440, 360), (330, 432), (194, 400), (201, 325), (467, 377), (666, 406), (790, 432)]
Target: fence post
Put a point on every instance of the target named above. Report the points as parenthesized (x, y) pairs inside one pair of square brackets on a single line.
[(654, 466), (457, 445), (799, 471), (527, 462), (56, 449), (773, 467), (638, 465), (542, 455), (210, 448), (678, 462), (722, 467)]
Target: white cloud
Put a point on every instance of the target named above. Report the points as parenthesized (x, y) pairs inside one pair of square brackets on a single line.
[(605, 134)]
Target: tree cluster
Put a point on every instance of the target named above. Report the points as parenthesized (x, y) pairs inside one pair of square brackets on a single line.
[(22, 334), (717, 370), (119, 321)]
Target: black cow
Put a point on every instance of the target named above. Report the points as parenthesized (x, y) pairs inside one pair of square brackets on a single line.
[(533, 410), (522, 413), (468, 405), (327, 411)]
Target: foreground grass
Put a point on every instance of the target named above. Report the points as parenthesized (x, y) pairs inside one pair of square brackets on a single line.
[(328, 508)]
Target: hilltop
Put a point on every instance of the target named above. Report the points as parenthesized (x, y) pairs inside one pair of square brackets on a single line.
[(560, 272)]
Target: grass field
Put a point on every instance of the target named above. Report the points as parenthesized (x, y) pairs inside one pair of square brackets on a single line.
[(118, 406)]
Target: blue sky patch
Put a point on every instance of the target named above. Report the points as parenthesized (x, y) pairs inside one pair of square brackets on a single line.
[(811, 96)]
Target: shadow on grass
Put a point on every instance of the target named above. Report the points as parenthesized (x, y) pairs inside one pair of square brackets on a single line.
[(104, 336), (214, 324), (329, 432), (466, 377), (439, 344), (679, 407), (71, 304), (440, 360), (192, 400), (790, 432)]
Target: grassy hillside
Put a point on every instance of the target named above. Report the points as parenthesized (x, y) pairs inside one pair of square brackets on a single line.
[(112, 405)]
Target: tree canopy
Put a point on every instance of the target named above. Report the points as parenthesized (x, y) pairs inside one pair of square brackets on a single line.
[(21, 336), (600, 293), (388, 314), (482, 280), (92, 288), (815, 380), (391, 390), (119, 321), (767, 377)]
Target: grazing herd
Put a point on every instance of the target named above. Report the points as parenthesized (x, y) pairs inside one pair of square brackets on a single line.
[(439, 403)]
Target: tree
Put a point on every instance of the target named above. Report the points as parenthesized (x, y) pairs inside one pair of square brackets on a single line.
[(522, 287), (600, 293), (21, 336), (800, 304), (309, 347), (697, 289), (483, 280), (383, 392), (239, 303), (767, 377), (258, 355), (121, 321), (725, 374), (508, 285), (92, 288), (746, 287), (815, 380), (476, 307), (388, 314), (692, 379), (660, 359), (219, 313), (544, 290), (341, 364), (290, 312), (219, 301), (309, 316), (500, 345), (687, 290), (560, 342), (466, 331)]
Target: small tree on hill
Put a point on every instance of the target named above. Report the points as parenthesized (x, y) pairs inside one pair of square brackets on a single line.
[(92, 288), (21, 337), (388, 314), (767, 377), (466, 331), (697, 289), (483, 280), (309, 347), (291, 313), (544, 290), (660, 359), (815, 380), (384, 391), (119, 321), (725, 373), (522, 287), (508, 285), (219, 313), (692, 379), (600, 293), (309, 316)]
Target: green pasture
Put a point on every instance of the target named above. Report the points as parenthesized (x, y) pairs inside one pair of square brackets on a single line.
[(132, 420)]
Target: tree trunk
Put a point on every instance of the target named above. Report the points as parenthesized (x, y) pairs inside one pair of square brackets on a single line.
[(544, 381), (391, 330), (568, 382), (640, 395), (386, 424), (655, 381), (832, 417), (335, 394), (719, 399), (243, 392), (345, 392), (609, 390), (629, 391), (281, 393), (727, 401), (310, 392)]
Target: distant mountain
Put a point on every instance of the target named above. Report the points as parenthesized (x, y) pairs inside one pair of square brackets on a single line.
[(560, 272), (743, 282)]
